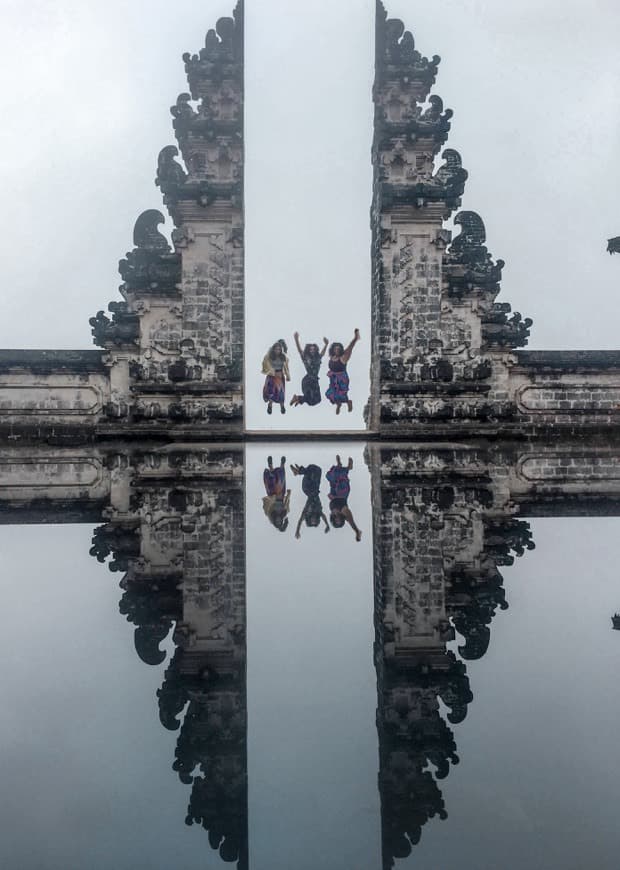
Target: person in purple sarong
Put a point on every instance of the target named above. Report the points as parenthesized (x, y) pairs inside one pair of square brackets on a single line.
[(276, 503), (339, 356), (275, 367), (339, 489)]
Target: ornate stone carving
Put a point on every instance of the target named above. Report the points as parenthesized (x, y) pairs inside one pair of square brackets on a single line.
[(441, 531), (613, 245), (119, 330), (499, 330), (221, 57), (396, 52), (468, 265), (151, 267), (170, 174)]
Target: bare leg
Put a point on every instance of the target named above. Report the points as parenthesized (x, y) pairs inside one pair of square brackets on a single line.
[(349, 405), (338, 405), (338, 462), (269, 407), (282, 408)]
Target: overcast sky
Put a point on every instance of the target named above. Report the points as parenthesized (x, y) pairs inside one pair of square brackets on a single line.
[(86, 94)]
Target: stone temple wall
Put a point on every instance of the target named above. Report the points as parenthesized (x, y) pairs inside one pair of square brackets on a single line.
[(447, 357), (445, 354), (173, 343)]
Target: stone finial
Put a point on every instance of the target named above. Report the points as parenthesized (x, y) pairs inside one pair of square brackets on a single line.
[(222, 55), (396, 54)]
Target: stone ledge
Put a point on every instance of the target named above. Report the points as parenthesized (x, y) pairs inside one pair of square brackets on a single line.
[(52, 361), (569, 360)]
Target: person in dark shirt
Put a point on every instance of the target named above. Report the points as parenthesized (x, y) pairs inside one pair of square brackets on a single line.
[(312, 358), (313, 509)]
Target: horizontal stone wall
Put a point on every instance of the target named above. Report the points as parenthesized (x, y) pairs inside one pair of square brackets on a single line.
[(42, 391), (567, 389)]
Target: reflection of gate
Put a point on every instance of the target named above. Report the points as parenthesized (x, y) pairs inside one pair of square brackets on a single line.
[(446, 356), (446, 519)]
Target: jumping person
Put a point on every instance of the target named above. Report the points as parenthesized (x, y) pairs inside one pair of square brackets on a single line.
[(277, 502), (313, 510), (339, 356), (275, 367), (312, 358), (339, 489)]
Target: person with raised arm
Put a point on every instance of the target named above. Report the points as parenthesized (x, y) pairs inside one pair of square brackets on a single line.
[(339, 356), (339, 489), (312, 513), (312, 358)]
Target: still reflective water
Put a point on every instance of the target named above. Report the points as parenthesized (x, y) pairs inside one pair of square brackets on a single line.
[(436, 694)]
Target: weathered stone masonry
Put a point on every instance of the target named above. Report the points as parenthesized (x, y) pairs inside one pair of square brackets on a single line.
[(446, 355), (446, 519), (172, 524), (444, 351), (173, 346)]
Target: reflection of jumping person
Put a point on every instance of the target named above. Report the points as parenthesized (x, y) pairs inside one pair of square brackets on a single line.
[(339, 489), (311, 357), (339, 356), (313, 510), (275, 366), (277, 501)]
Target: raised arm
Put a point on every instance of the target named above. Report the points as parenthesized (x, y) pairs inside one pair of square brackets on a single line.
[(301, 519), (297, 342), (346, 356), (325, 343), (324, 518)]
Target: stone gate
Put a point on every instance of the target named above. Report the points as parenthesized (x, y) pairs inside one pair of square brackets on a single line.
[(447, 357)]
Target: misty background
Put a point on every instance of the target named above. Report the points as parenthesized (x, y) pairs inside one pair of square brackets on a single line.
[(86, 94)]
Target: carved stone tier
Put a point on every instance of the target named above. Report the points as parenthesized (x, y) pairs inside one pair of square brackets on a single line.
[(446, 520), (439, 338), (443, 349), (175, 343), (177, 532)]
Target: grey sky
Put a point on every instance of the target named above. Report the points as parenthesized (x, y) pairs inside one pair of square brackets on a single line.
[(87, 89)]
